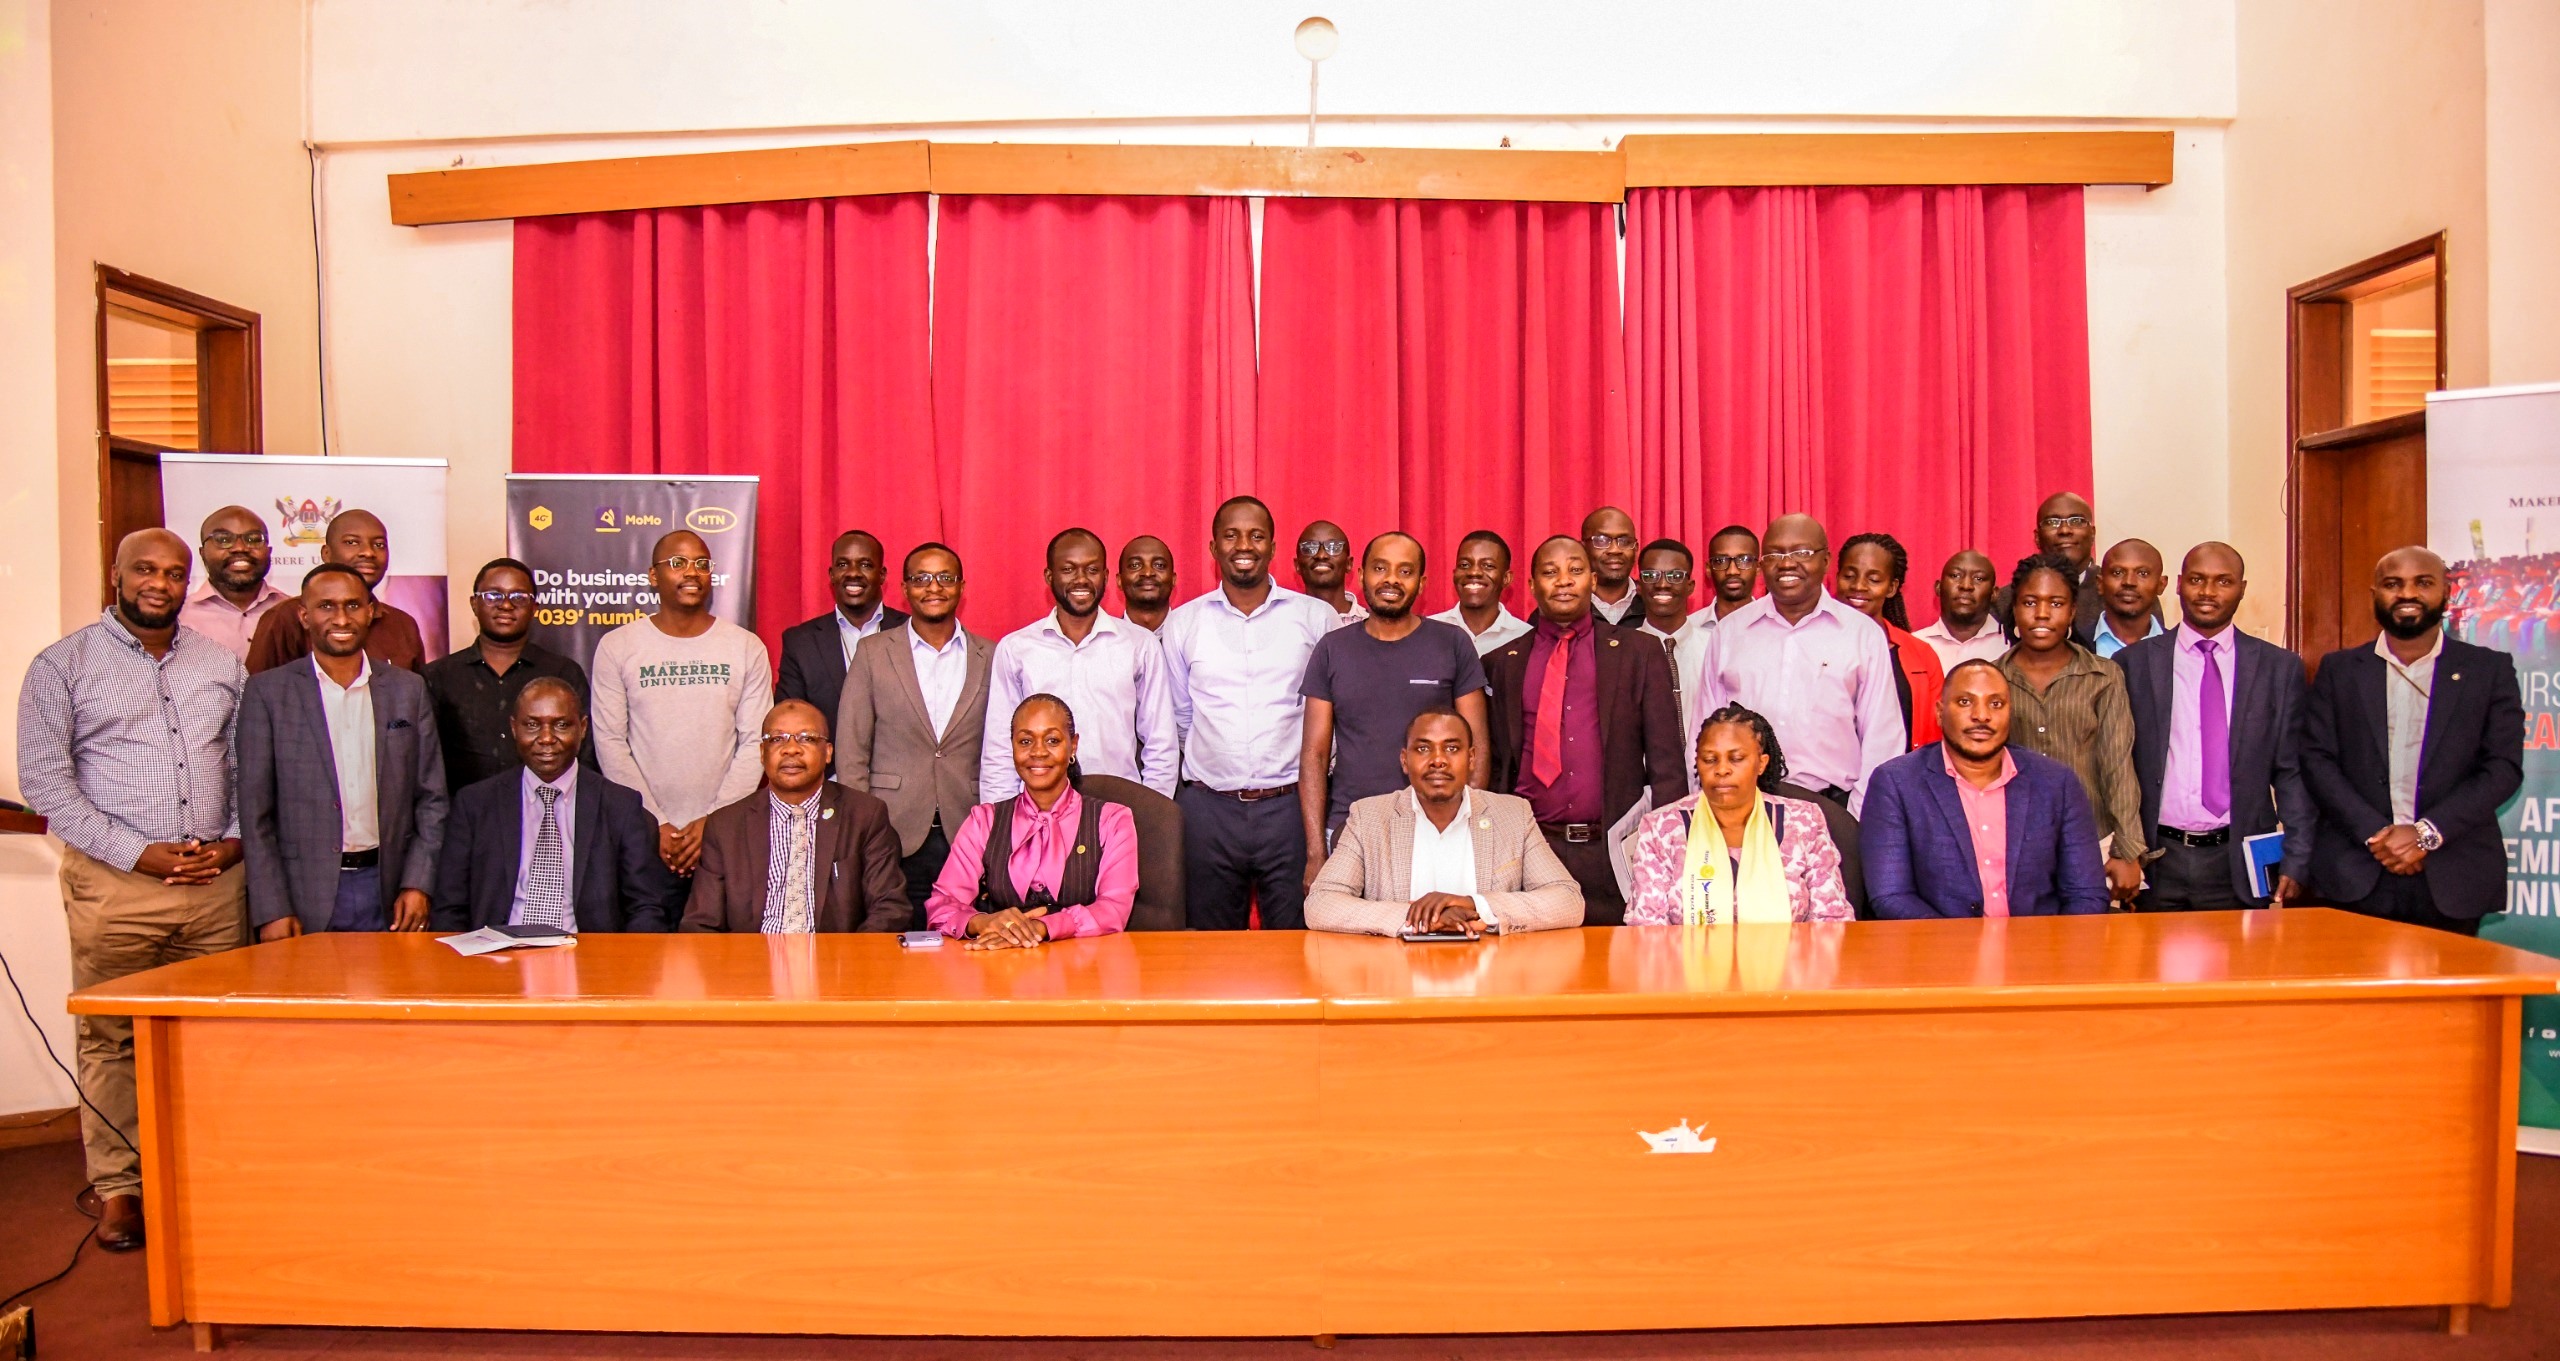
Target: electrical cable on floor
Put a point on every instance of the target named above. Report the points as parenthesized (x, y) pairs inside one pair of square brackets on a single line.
[(66, 1270), (68, 1075)]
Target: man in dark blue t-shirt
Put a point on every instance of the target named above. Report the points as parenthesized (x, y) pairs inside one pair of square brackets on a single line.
[(1364, 684)]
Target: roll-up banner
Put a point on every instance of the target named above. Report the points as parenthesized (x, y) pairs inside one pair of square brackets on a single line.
[(296, 497), (2493, 515), (588, 537)]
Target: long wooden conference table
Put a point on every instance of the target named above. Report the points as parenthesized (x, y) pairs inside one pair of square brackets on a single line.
[(1283, 1133)]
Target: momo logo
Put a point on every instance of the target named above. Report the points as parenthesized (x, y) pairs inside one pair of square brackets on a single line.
[(305, 522), (1678, 1139), (711, 520), (539, 517)]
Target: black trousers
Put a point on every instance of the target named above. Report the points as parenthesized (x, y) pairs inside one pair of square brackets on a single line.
[(922, 868), (1588, 863), (2190, 879), (1235, 853), (2404, 898)]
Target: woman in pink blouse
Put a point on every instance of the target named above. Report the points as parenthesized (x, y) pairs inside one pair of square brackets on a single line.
[(1045, 864), (1753, 857)]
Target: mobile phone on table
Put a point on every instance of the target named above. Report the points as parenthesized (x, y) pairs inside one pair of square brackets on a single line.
[(919, 940), (1421, 937)]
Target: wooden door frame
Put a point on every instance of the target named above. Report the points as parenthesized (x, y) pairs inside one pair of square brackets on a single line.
[(228, 336), (2329, 434)]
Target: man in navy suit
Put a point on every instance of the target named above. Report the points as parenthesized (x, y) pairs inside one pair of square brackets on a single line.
[(2409, 746), (552, 843), (1972, 827), (816, 651)]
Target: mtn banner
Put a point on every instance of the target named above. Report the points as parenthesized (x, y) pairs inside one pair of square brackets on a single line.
[(588, 538), (296, 497), (2493, 515)]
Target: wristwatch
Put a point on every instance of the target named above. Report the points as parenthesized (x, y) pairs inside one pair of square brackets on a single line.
[(2428, 837)]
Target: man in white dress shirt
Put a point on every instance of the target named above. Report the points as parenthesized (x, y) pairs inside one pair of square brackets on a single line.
[(911, 723), (1666, 577), (1109, 671), (1235, 657), (1483, 573), (1964, 629), (1819, 671)]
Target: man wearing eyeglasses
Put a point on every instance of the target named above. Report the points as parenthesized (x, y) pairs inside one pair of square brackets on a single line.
[(1666, 579), (474, 691), (1324, 570), (1610, 534), (680, 700), (913, 714), (2067, 527), (1819, 671), (1733, 566), (236, 593), (803, 854)]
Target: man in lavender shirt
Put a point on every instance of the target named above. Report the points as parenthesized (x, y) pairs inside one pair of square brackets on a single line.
[(235, 593)]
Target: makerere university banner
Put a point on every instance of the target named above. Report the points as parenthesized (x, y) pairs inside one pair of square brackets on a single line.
[(588, 538), (2493, 514), (297, 496)]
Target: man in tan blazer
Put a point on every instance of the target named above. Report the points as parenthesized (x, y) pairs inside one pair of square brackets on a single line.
[(1438, 856), (911, 716)]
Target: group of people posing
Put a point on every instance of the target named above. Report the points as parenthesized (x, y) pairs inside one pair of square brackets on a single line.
[(222, 760)]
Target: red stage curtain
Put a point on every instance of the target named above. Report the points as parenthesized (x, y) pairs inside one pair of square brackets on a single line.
[(1440, 367), (785, 339), (1911, 361), (1093, 365)]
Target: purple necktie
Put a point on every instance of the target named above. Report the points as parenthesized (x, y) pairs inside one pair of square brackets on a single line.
[(2213, 724)]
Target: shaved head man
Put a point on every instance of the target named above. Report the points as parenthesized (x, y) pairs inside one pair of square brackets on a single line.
[(2067, 528), (1146, 582), (357, 541), (1609, 535), (2130, 580), (1108, 671), (235, 595), (1324, 569), (1964, 628), (802, 854), (815, 652)]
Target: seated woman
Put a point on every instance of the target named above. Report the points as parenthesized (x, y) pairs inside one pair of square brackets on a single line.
[(1757, 857), (1045, 864)]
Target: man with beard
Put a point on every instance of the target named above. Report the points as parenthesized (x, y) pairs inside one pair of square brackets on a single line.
[(1365, 685), (2217, 749), (1585, 723), (2130, 579), (1819, 671), (803, 854), (2409, 747), (342, 793), (1610, 536), (1110, 673), (474, 691), (1733, 566), (815, 652), (1235, 657), (125, 746), (236, 594), (356, 540), (1146, 582), (1482, 575), (680, 699), (1324, 564), (1964, 628), (913, 717)]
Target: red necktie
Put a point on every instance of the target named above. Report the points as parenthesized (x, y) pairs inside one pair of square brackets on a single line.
[(1546, 746)]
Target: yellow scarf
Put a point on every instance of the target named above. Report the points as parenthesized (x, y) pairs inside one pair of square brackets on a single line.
[(1713, 893)]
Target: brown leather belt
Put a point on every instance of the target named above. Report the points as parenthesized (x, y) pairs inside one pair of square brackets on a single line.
[(1253, 795), (1574, 833)]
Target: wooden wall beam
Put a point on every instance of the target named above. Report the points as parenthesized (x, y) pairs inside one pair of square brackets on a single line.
[(497, 192), (1769, 158), (505, 191)]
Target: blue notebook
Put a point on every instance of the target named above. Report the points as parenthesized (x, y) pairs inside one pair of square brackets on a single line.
[(2266, 850)]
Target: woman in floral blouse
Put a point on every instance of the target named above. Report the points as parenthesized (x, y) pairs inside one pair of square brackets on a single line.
[(1754, 857)]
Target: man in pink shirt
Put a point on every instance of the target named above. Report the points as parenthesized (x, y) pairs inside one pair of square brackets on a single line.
[(235, 593), (1970, 826)]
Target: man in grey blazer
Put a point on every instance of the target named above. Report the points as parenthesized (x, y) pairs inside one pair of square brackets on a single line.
[(342, 798), (913, 711), (1438, 856)]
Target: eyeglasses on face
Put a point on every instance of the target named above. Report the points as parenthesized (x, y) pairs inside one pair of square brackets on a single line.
[(1314, 547), (1803, 557), (1610, 540), (679, 564), (933, 578), (792, 739), (223, 540), (1671, 576), (1733, 562), (503, 597), (2065, 522)]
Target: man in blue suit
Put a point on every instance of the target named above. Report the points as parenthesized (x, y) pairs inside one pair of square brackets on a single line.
[(552, 843), (1973, 827)]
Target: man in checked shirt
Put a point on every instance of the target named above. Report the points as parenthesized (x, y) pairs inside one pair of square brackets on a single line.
[(124, 745)]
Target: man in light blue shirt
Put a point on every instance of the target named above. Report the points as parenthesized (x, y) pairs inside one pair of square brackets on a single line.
[(2130, 579)]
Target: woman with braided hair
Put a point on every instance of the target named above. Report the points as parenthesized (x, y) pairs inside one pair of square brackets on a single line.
[(1869, 580), (1734, 851)]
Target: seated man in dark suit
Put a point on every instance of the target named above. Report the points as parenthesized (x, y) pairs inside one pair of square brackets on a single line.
[(2410, 745), (803, 853), (816, 651), (1970, 826), (551, 843)]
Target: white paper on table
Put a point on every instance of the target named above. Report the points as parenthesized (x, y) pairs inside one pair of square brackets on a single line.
[(490, 940)]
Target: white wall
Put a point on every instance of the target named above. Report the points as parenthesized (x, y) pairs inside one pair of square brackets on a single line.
[(2521, 39), (419, 316)]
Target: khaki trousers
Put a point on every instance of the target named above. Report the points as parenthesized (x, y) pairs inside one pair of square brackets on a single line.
[(123, 923)]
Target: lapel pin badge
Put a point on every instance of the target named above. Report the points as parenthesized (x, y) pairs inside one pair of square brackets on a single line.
[(2457, 675), (1079, 848), (826, 814)]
